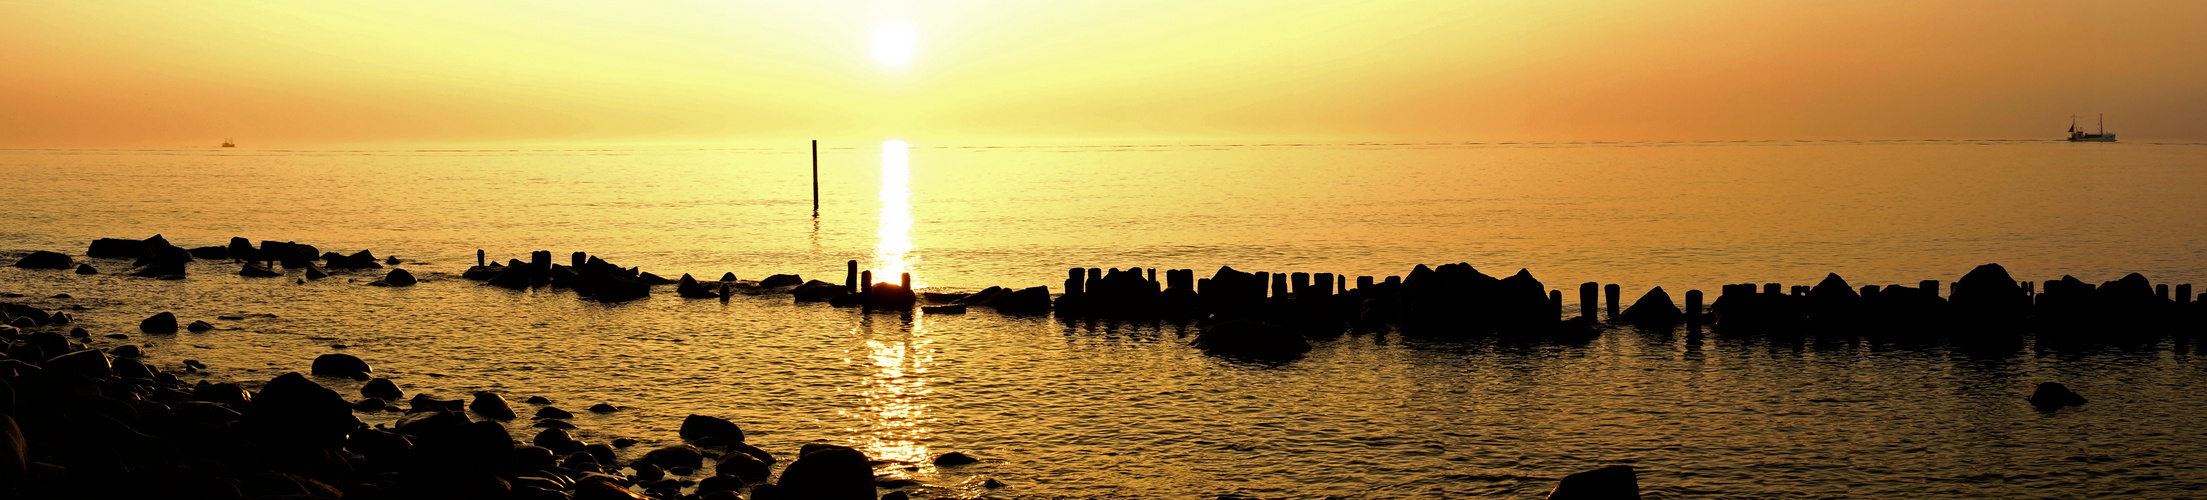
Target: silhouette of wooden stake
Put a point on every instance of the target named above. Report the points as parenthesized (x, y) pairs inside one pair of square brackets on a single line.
[(1589, 299), (1073, 279), (1930, 286), (479, 257), (2162, 290), (1363, 282), (850, 277), (816, 178), (1615, 294), (1555, 301), (866, 281), (1693, 307), (2184, 293), (905, 280)]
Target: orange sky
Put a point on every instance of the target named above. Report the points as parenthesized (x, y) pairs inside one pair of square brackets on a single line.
[(319, 73)]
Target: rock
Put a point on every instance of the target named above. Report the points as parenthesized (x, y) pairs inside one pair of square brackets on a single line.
[(1988, 293), (623, 442), (1616, 482), (81, 332), (199, 326), (687, 287), (556, 440), (828, 472), (293, 411), (537, 400), (90, 362), (552, 424), (550, 412), (743, 465), (398, 277), (45, 260), (87, 269), (227, 394), (255, 270), (371, 405), (2050, 395), (1251, 339), (695, 427), (361, 260), (680, 455), (1654, 308), (159, 323), (211, 253), (131, 368), (610, 287), (382, 388), (126, 351), (602, 489), (116, 248), (754, 451), (242, 249), (653, 279), (604, 408), (954, 458), (779, 280), (391, 260), (490, 404), (340, 365), (1034, 300), (818, 291)]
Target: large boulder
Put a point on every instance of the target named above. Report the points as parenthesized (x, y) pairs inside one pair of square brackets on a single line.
[(294, 412), (382, 388), (116, 248), (1654, 308), (742, 465), (688, 287), (210, 253), (340, 365), (1616, 482), (490, 404), (90, 362), (828, 473), (45, 260), (1989, 293), (680, 455)]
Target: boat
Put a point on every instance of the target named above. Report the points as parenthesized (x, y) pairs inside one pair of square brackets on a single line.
[(2078, 135), (227, 144)]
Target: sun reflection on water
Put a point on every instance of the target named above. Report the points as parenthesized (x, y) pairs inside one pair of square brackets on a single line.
[(895, 389), (893, 253)]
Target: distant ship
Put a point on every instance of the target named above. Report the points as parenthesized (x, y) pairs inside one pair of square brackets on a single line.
[(2078, 135), (227, 144)]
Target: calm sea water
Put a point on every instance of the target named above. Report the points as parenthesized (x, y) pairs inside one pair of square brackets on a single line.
[(1096, 410)]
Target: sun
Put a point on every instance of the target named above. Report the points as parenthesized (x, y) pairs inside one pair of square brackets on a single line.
[(894, 42)]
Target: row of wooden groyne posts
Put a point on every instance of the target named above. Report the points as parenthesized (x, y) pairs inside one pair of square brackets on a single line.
[(1450, 298)]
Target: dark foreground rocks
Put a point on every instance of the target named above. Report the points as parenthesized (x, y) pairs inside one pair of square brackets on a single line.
[(1616, 482)]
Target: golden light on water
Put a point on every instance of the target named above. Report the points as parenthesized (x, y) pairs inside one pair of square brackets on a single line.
[(895, 389), (893, 251)]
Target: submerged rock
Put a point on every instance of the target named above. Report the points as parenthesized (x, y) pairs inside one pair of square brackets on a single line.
[(2049, 395), (696, 427), (382, 388), (45, 260), (340, 365), (490, 404), (397, 277), (781, 280), (87, 269), (164, 322), (253, 270)]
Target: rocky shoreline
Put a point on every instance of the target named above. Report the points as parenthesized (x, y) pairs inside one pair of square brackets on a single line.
[(87, 423)]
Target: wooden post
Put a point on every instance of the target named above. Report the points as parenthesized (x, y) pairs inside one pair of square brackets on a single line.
[(1341, 284), (850, 277), (2162, 290), (479, 258), (1363, 282), (1693, 306), (1394, 280), (905, 280), (2184, 293), (1555, 301), (576, 260), (1590, 302), (1321, 284), (1299, 283), (866, 281), (816, 178), (1279, 285), (1615, 294), (1930, 286), (1770, 289), (1073, 280)]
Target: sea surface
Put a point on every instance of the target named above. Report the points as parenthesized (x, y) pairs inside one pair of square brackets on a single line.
[(1071, 408)]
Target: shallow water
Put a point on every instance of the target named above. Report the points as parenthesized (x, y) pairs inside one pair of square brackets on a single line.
[(1097, 410)]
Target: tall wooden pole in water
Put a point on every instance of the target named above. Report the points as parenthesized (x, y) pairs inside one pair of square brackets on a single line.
[(816, 178)]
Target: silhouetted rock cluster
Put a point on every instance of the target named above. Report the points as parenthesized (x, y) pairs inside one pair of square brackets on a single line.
[(76, 422), (156, 258), (587, 275), (1985, 301)]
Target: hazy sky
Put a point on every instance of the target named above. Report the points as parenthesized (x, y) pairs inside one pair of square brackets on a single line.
[(317, 72)]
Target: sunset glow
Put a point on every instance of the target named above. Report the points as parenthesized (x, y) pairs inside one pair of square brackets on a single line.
[(413, 71)]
